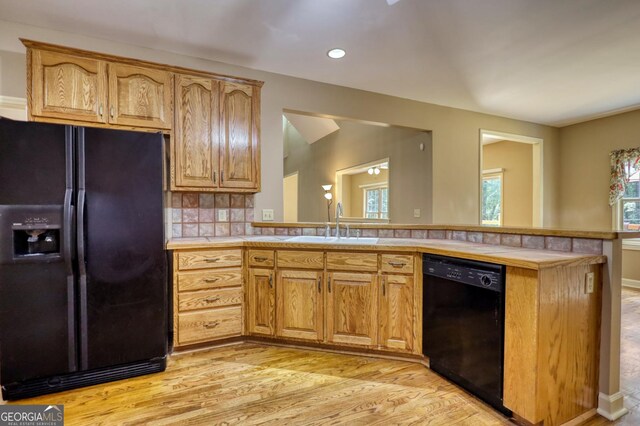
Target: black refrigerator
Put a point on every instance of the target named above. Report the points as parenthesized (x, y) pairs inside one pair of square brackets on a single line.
[(83, 272)]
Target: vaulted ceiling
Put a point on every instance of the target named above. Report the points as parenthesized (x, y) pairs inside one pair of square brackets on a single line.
[(547, 61)]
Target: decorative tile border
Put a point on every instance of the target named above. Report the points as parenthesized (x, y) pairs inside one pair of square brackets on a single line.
[(195, 214), (537, 242)]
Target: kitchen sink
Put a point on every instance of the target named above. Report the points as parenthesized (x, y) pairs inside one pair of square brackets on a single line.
[(331, 240)]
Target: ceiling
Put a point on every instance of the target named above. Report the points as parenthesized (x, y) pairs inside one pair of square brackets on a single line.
[(546, 61)]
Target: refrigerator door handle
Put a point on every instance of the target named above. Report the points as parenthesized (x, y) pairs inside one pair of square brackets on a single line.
[(67, 242), (82, 265)]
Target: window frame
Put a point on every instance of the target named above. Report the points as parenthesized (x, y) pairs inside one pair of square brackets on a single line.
[(375, 187), (492, 174)]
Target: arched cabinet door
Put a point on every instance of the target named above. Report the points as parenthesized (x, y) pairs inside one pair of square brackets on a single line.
[(67, 87), (196, 132), (139, 97), (240, 129)]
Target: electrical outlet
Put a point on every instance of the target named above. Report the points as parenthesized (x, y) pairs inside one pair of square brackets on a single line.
[(589, 282), (267, 214), (416, 212), (222, 215)]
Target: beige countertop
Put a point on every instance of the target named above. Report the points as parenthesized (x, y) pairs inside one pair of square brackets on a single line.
[(510, 256)]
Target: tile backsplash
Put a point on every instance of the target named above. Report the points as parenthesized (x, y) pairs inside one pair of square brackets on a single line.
[(196, 214)]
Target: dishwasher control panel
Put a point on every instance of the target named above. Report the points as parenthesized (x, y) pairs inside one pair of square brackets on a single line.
[(478, 274)]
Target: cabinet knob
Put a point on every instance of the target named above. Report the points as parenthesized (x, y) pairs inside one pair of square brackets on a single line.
[(111, 111), (319, 284), (270, 280), (211, 259), (383, 286), (210, 280), (397, 264), (100, 110), (329, 284), (260, 259), (212, 299)]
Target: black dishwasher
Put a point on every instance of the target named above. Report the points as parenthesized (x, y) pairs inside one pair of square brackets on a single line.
[(463, 324)]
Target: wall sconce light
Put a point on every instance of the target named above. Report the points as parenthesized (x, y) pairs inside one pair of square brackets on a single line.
[(329, 196)]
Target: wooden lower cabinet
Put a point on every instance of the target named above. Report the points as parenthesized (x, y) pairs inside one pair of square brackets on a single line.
[(396, 312), (299, 300), (261, 298), (207, 295), (352, 308)]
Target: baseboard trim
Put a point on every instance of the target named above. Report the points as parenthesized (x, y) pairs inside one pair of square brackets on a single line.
[(611, 407), (627, 282)]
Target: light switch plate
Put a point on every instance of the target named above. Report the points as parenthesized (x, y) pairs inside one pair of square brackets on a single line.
[(267, 214), (222, 215), (589, 283), (416, 212)]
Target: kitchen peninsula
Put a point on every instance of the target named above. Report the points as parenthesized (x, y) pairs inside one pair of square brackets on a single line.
[(359, 296)]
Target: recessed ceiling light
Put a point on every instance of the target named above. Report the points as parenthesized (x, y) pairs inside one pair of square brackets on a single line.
[(336, 53)]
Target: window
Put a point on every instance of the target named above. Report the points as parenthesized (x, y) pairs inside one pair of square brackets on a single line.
[(376, 203), (492, 199), (630, 202)]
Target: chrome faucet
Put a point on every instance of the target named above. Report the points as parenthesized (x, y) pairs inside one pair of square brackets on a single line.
[(338, 214)]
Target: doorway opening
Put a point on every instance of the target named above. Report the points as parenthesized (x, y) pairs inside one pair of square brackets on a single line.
[(511, 177)]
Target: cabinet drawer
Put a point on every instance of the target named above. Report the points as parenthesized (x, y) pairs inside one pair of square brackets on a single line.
[(397, 263), (213, 324), (300, 259), (203, 280), (342, 261), (209, 259), (261, 258), (209, 299)]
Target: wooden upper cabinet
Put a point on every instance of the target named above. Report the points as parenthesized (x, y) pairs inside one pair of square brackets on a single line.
[(352, 308), (196, 129), (396, 312), (240, 127), (299, 301), (67, 87), (139, 96)]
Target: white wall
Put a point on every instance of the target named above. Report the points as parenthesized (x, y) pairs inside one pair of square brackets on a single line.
[(455, 132)]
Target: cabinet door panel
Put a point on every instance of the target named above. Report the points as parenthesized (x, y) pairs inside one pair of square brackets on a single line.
[(139, 96), (240, 158), (352, 308), (68, 87), (299, 302), (396, 312), (261, 301), (196, 132)]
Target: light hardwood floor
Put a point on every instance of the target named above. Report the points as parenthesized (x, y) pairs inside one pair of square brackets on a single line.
[(254, 384), (629, 362)]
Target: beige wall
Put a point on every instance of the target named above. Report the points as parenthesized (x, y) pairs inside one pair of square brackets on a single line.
[(584, 177), (410, 169), (455, 132), (631, 264), (290, 195), (357, 195), (517, 161)]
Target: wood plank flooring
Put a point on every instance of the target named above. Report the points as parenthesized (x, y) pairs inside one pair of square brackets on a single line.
[(253, 384), (629, 362)]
